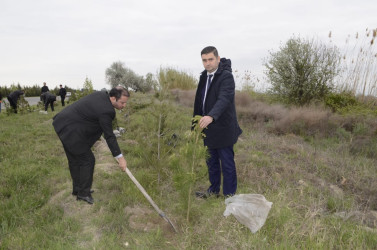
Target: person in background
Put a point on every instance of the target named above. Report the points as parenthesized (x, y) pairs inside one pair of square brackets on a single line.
[(79, 126), (48, 98), (13, 98), (62, 94), (214, 101), (44, 90)]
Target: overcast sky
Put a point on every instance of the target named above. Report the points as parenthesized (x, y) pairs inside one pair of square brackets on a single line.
[(65, 41)]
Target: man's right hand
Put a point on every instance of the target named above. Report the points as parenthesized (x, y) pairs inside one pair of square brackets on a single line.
[(122, 163)]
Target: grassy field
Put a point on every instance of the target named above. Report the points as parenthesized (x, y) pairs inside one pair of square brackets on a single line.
[(323, 188)]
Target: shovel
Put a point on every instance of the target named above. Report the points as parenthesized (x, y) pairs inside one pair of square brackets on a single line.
[(149, 199)]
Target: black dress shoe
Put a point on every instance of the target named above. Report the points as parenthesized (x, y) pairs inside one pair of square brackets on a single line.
[(88, 198), (75, 192), (205, 195)]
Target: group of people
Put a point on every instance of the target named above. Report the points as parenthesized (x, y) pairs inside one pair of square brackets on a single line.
[(82, 123), (46, 97)]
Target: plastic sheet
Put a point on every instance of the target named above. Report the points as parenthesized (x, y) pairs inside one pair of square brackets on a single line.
[(250, 210)]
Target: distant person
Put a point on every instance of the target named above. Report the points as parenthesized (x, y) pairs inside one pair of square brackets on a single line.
[(49, 98), (44, 90), (214, 101), (13, 98), (1, 97), (79, 126), (62, 94)]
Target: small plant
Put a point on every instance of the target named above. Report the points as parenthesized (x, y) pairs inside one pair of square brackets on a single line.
[(190, 161)]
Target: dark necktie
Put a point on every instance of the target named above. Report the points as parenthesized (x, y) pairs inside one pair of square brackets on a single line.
[(206, 90)]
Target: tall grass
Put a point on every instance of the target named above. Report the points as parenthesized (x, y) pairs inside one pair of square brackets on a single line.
[(359, 63)]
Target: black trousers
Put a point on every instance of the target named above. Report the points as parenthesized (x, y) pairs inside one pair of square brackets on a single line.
[(12, 104), (81, 167), (62, 97), (51, 102)]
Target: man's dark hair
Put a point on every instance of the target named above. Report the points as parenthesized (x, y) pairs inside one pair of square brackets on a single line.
[(210, 49), (117, 92)]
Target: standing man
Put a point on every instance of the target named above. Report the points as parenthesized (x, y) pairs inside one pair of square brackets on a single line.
[(79, 126), (62, 93), (44, 90), (13, 98), (49, 98), (214, 101)]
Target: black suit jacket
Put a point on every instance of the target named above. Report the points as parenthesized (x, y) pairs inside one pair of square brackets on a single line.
[(82, 123), (224, 130)]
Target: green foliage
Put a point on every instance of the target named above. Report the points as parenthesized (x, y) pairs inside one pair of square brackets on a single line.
[(302, 71), (189, 163), (86, 90), (339, 101), (346, 103), (23, 107), (170, 78)]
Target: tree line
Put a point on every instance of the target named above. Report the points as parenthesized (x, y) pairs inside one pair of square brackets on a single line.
[(34, 90)]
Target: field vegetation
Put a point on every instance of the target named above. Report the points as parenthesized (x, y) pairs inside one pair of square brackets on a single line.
[(316, 161)]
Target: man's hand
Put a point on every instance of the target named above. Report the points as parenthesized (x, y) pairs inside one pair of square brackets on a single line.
[(205, 121), (122, 163)]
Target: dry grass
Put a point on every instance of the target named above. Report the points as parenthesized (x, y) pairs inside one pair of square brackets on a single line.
[(310, 120)]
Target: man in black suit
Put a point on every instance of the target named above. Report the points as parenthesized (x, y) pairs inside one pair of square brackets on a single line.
[(214, 101), (48, 98), (44, 89), (13, 98), (79, 126), (62, 93)]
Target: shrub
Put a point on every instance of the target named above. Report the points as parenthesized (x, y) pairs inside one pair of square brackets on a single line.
[(337, 101), (302, 71), (169, 78)]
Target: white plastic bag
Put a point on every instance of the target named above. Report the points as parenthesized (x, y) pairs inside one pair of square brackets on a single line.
[(250, 210)]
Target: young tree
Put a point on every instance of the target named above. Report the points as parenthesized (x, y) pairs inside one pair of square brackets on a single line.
[(302, 71)]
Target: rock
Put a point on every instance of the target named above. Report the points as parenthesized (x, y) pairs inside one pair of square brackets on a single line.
[(116, 133)]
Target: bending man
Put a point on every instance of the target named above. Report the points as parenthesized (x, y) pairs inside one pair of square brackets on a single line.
[(79, 126)]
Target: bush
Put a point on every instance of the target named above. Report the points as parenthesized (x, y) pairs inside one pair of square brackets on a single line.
[(169, 78), (338, 101), (302, 71)]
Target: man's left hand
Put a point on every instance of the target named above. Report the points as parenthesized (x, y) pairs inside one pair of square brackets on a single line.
[(205, 121)]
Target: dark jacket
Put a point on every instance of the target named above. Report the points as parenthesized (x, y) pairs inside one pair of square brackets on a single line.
[(47, 96), (15, 95), (62, 92), (224, 130), (82, 123), (44, 89)]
